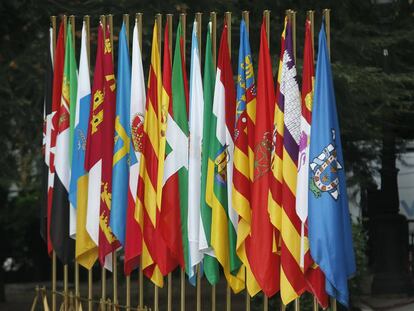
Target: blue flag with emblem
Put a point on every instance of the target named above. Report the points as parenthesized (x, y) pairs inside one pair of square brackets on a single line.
[(330, 236), (122, 135)]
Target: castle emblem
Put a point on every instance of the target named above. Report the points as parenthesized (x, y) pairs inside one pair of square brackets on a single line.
[(325, 169)]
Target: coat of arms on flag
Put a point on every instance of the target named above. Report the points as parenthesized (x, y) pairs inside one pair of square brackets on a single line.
[(324, 168)]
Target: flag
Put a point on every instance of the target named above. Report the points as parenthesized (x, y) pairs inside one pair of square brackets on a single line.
[(60, 223), (314, 277), (93, 153), (58, 63), (175, 151), (47, 127), (147, 203), (260, 247), (210, 264), (292, 281), (86, 251), (243, 165), (330, 236), (133, 233), (107, 241), (219, 171), (122, 141), (196, 105)]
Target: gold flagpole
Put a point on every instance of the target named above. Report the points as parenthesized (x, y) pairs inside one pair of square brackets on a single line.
[(115, 278), (245, 16), (213, 18), (158, 18), (333, 304), (170, 21), (311, 16), (198, 288), (90, 289), (228, 298), (182, 281), (141, 287), (159, 26), (77, 292), (103, 270), (169, 277), (65, 286), (228, 22), (293, 17), (138, 21), (198, 17), (53, 281), (53, 24), (183, 18), (327, 15), (182, 272), (125, 18)]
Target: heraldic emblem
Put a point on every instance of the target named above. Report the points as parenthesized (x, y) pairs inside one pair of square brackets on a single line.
[(325, 171), (137, 131)]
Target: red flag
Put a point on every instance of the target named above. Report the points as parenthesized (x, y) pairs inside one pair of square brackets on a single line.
[(263, 260), (107, 241), (170, 217), (56, 99)]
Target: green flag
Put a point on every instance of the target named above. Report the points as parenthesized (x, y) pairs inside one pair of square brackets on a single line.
[(210, 262)]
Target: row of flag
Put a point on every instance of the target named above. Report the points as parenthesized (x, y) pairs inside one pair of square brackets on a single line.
[(200, 171)]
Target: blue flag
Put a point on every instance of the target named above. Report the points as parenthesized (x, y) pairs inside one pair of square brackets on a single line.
[(329, 222), (122, 138)]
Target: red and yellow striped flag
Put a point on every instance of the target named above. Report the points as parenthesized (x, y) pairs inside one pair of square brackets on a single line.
[(147, 208), (283, 210)]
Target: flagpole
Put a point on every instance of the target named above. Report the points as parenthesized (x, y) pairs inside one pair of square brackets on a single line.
[(293, 18), (103, 293), (103, 271), (65, 287), (198, 288), (169, 277), (54, 281), (327, 15), (53, 24), (213, 19), (90, 289), (245, 16), (333, 304), (125, 18), (182, 281), (183, 18), (86, 19), (198, 17), (311, 16), (138, 21), (77, 292), (169, 22), (228, 21), (141, 287), (227, 17)]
